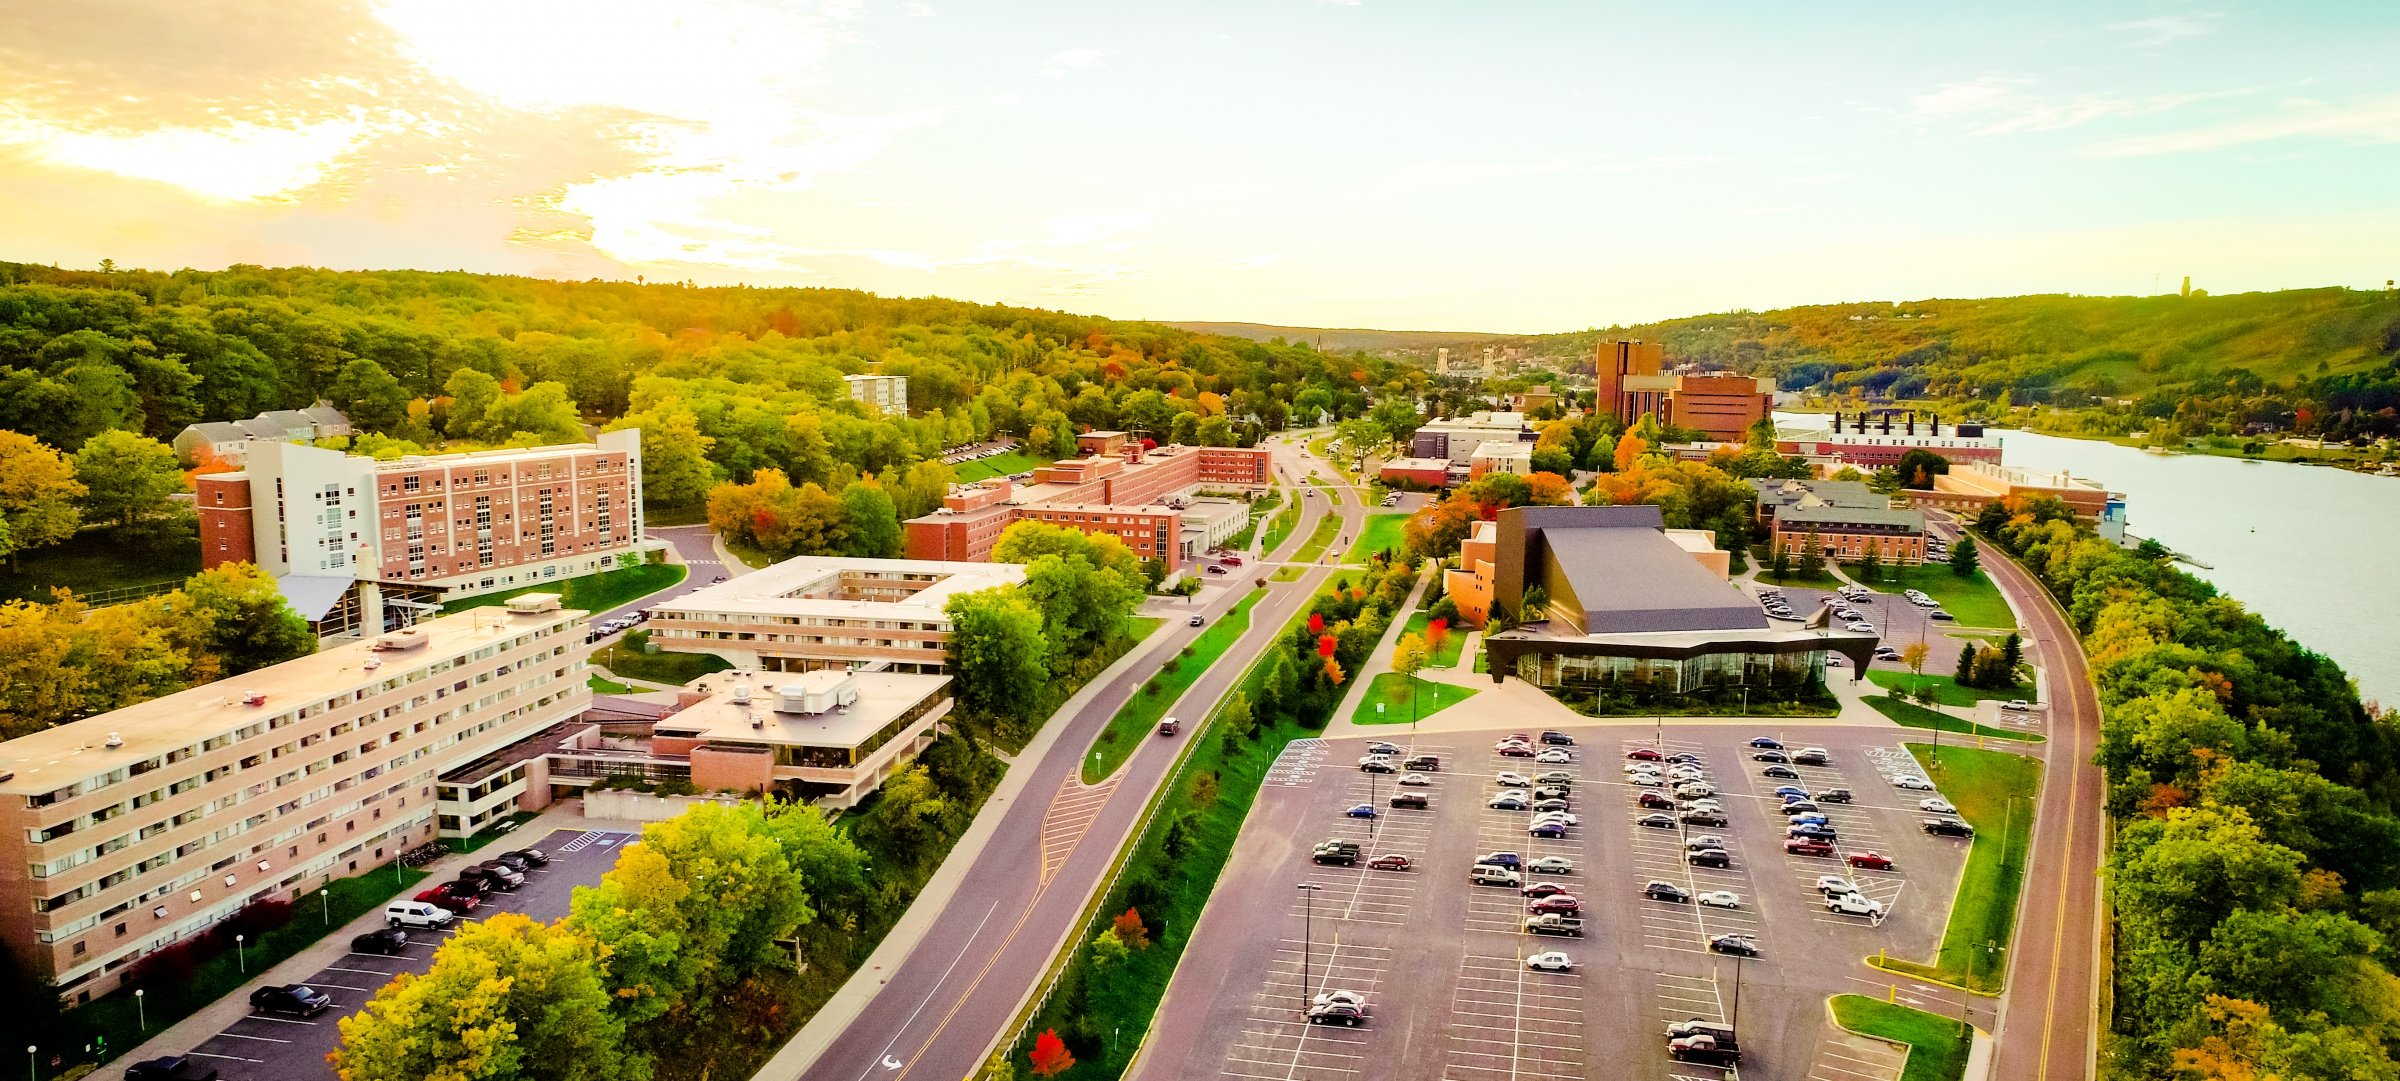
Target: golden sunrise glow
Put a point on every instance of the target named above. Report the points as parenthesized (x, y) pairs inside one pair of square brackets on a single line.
[(234, 162)]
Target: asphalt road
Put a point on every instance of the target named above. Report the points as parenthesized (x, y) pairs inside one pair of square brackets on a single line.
[(263, 1048), (1441, 959), (958, 990), (2049, 1024)]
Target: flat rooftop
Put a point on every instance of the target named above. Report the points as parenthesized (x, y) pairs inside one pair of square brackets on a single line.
[(882, 696), (784, 588), (58, 757)]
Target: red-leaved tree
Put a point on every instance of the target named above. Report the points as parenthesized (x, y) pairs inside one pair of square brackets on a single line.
[(1050, 1055), (1131, 931), (1316, 623), (1326, 644)]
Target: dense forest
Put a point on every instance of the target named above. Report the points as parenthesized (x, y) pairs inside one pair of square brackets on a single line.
[(2315, 361)]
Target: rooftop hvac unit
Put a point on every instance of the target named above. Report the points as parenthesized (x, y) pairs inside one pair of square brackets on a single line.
[(741, 694), (115, 740), (409, 638), (254, 698)]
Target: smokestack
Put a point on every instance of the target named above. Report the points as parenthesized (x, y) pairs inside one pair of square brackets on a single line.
[(1936, 421), (1837, 422), (1912, 422), (1887, 423)]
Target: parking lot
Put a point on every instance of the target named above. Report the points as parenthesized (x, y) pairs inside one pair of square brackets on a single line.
[(265, 1048), (1899, 623), (1441, 962)]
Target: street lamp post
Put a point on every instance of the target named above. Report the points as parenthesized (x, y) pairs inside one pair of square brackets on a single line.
[(325, 906), (1307, 940), (140, 1010), (241, 954), (32, 1072)]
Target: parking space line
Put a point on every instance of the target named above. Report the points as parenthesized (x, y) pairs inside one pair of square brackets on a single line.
[(228, 1058), (259, 1039), (278, 1020)]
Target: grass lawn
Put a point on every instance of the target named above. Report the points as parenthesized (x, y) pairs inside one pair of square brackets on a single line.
[(1811, 581), (1393, 695), (1946, 688), (1995, 793), (1482, 658), (1281, 526), (1259, 509), (595, 593), (97, 562), (1975, 601), (1382, 532), (1318, 539), (1938, 1046), (1447, 656), (1912, 715), (663, 514), (998, 465), (605, 685), (115, 1022), (1140, 714), (490, 834), (626, 658)]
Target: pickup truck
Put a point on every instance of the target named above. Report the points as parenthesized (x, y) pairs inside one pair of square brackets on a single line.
[(1551, 923), (1343, 853), (1720, 1051), (1412, 800)]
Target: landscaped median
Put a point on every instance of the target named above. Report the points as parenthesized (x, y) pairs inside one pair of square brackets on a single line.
[(1281, 526), (1911, 715), (1995, 792), (1382, 534), (1937, 1046), (1134, 722), (1399, 706)]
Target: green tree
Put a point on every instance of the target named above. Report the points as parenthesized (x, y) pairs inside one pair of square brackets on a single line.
[(2012, 653), (1779, 559), (1963, 559), (233, 619), (1870, 562), (543, 413), (472, 395), (997, 653), (1918, 467), (40, 499), (1965, 676), (1216, 432), (913, 813), (1809, 562), (1235, 717), (506, 998), (126, 477), (872, 526), (369, 395)]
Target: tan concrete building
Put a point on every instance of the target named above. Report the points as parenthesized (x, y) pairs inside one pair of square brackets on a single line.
[(1967, 487), (129, 831), (815, 612), (826, 736), (1632, 381), (1140, 495)]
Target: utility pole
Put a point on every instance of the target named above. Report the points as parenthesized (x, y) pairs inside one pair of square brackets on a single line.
[(1307, 940)]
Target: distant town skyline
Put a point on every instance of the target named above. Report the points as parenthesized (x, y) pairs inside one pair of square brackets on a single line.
[(1520, 168)]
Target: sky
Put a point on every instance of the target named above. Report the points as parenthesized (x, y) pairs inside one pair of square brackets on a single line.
[(1473, 165)]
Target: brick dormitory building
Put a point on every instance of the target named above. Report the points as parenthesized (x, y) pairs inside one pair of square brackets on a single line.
[(1118, 486)]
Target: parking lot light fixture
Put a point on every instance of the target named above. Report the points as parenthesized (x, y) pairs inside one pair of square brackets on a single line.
[(324, 905), (241, 954), (141, 1010), (1308, 914)]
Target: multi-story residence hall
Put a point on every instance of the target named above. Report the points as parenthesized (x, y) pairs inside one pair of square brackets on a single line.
[(124, 832), (349, 538), (1117, 486), (828, 612)]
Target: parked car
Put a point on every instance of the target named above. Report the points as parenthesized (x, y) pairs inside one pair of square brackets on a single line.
[(1564, 904), (173, 1068), (1743, 945), (1656, 821), (1549, 831), (1550, 961), (1551, 791), (1799, 807), (1413, 801), (1428, 763), (1376, 763), (1705, 818), (1869, 861), (1558, 739), (1507, 801), (1337, 1014), (501, 874), (1556, 776), (1382, 747), (1834, 795), (1390, 861), (1484, 874), (1913, 783), (1777, 757), (1791, 791), (1543, 889), (1785, 773), (1338, 853), (1548, 805), (290, 1000), (1818, 830), (2016, 705), (1507, 779), (1716, 858), (459, 903), (1659, 889), (416, 914), (1554, 756), (1362, 810), (386, 940), (1766, 743), (1812, 756), (1805, 846), (1948, 827), (1516, 750), (1854, 904), (1501, 859), (1551, 865), (1720, 899), (1835, 885), (1684, 757), (1413, 780), (1643, 754)]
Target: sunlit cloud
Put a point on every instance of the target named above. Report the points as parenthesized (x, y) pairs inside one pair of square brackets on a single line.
[(2003, 105), (230, 162), (2371, 121), (2161, 29), (1087, 228)]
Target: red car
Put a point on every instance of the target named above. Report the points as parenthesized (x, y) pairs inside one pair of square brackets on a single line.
[(1655, 799), (1805, 847), (441, 896), (1873, 861), (1561, 903), (1643, 754), (1544, 889), (1514, 750), (1389, 862)]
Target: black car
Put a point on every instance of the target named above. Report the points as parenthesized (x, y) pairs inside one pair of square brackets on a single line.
[(1709, 857), (1806, 829), (501, 875), (382, 940), (1378, 765), (1666, 891), (1948, 827), (1811, 758), (170, 1068), (469, 883), (1509, 860), (1834, 795), (1684, 758), (1383, 748), (1659, 821), (1558, 739), (1736, 944), (1766, 743), (1771, 756), (533, 857), (1785, 773), (294, 999)]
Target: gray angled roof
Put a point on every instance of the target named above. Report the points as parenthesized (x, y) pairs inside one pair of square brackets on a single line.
[(1880, 515)]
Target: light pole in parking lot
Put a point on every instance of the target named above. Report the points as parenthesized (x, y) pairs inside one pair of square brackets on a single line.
[(141, 1010), (324, 906), (241, 954), (1308, 916), (1736, 1019)]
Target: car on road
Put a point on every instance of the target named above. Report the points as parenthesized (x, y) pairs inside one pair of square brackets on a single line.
[(1643, 754), (1558, 739), (1658, 800), (1813, 756), (1337, 1014), (1948, 827), (386, 940), (1390, 861), (1854, 904), (1198, 621), (1362, 810), (1550, 961), (1720, 899), (1551, 865), (1512, 780), (1214, 569), (1554, 756), (1564, 904), (1912, 782), (1424, 763), (1543, 889), (1413, 801), (1936, 805), (1413, 780), (1834, 795), (1656, 821), (1777, 757), (173, 1068), (1768, 743), (1784, 773), (1869, 861), (290, 1000), (1507, 801), (416, 914), (1807, 846), (1705, 818), (1659, 889), (1743, 945), (1716, 858), (1376, 763)]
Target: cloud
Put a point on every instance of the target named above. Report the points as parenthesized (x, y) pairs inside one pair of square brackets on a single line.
[(2373, 120), (1087, 228), (1252, 262), (1453, 173), (1072, 60), (2005, 105), (2161, 29), (231, 162)]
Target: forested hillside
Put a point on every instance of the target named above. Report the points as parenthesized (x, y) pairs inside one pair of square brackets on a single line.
[(731, 379)]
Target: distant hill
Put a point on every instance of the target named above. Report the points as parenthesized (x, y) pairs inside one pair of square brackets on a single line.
[(1334, 339)]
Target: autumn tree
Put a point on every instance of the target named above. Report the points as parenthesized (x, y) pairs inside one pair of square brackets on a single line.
[(1130, 929), (1050, 1055), (40, 497), (505, 998), (676, 471)]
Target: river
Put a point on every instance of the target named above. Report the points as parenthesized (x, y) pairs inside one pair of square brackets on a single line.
[(2312, 550)]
